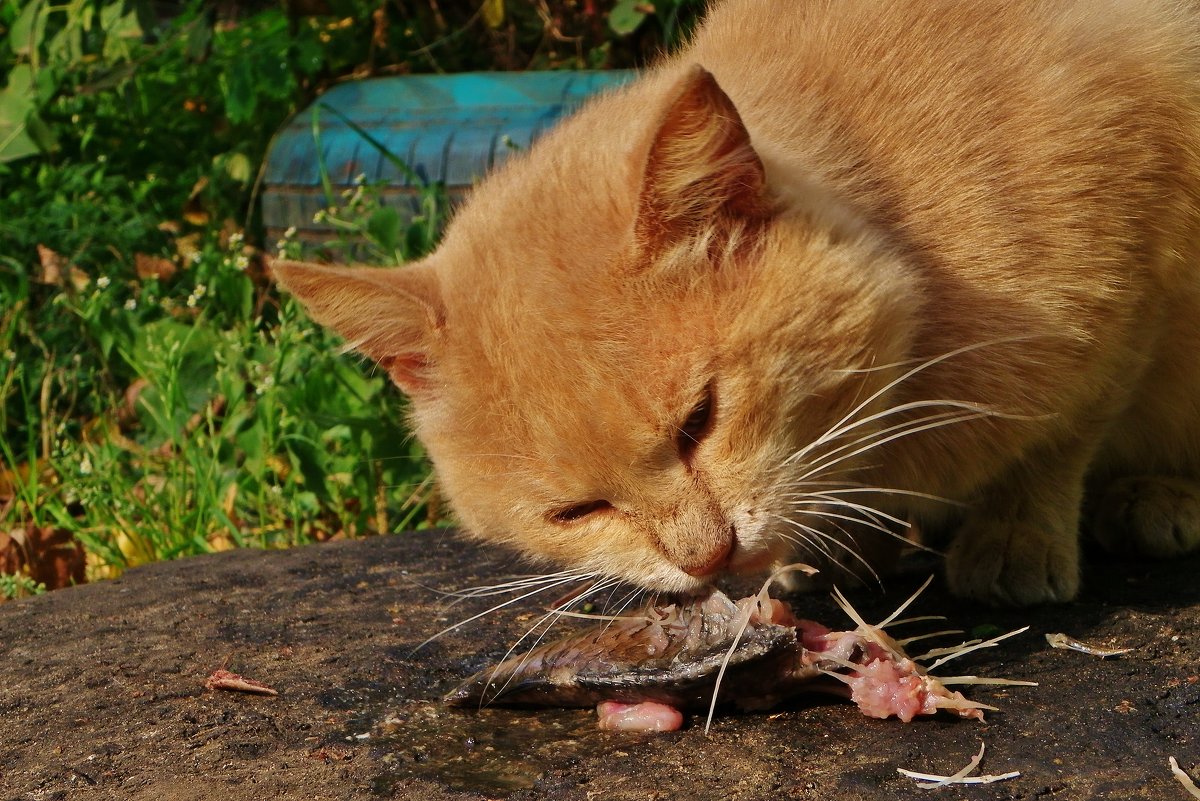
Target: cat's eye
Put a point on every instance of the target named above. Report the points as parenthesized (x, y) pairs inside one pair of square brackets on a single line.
[(579, 511), (696, 426)]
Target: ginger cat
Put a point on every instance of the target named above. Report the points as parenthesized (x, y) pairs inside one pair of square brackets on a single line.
[(837, 262)]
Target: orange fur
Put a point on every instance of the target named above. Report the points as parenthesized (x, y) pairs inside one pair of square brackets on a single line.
[(810, 199)]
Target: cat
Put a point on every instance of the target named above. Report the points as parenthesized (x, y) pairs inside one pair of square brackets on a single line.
[(833, 266)]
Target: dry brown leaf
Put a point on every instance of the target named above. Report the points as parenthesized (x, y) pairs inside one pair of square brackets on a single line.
[(79, 279), (188, 248), (53, 266), (48, 555), (153, 267), (225, 680), (194, 211)]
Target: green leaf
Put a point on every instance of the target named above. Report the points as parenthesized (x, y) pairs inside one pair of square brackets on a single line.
[(28, 29), (120, 29), (238, 167), (240, 97), (16, 108), (626, 17), (66, 46), (384, 227), (198, 41), (41, 133)]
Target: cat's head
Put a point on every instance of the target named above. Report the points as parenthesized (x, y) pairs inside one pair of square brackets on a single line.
[(627, 341)]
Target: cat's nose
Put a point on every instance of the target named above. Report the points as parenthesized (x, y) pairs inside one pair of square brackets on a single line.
[(715, 561)]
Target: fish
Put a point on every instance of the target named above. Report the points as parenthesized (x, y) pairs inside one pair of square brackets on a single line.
[(751, 654)]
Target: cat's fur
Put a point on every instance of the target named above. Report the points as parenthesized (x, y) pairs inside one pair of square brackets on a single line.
[(805, 203)]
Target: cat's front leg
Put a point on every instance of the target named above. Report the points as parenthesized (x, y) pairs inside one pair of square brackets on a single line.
[(1019, 545)]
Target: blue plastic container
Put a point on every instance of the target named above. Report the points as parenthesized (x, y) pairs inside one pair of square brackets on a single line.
[(450, 129)]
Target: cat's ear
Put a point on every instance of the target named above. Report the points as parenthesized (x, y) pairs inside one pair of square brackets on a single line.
[(700, 164), (393, 316)]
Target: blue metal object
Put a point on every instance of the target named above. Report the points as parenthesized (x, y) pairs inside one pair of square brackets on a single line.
[(448, 129)]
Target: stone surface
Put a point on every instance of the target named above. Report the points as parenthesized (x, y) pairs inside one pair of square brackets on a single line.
[(102, 694)]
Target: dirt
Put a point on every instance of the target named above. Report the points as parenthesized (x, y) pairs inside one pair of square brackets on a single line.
[(102, 694)]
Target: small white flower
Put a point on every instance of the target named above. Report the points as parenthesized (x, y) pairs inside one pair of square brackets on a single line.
[(131, 304), (360, 179), (290, 232), (319, 217), (235, 239), (192, 300), (196, 256), (10, 354), (85, 466), (242, 261), (282, 254), (103, 282), (200, 291)]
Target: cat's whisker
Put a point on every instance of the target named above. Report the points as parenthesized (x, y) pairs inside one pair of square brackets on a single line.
[(803, 538), (517, 581), (955, 408), (817, 539), (862, 560), (872, 513), (552, 615), (827, 515), (850, 421), (518, 585), (893, 491), (489, 611), (880, 528), (905, 430), (925, 365), (805, 545), (920, 359), (626, 602)]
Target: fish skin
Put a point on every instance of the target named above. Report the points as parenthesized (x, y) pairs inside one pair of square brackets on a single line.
[(615, 662)]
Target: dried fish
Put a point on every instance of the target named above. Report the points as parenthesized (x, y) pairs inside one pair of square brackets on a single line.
[(755, 650)]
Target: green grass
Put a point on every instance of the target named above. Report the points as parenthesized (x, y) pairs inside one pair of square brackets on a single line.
[(217, 418)]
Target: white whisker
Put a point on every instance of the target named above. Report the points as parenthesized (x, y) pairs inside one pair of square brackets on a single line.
[(553, 616), (495, 608)]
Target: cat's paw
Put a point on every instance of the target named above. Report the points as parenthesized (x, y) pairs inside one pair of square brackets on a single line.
[(1006, 563), (1155, 516)]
